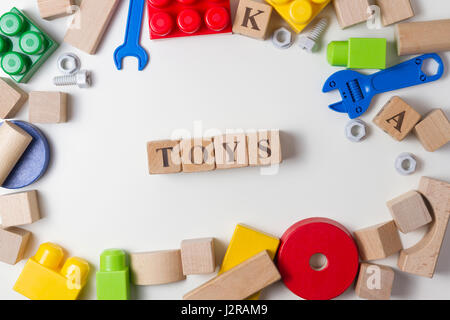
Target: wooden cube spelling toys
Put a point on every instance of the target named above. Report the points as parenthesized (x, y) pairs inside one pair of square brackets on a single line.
[(264, 148), (12, 98), (374, 282), (197, 155), (197, 256), (252, 19), (13, 243), (164, 156), (50, 9), (231, 151), (434, 130), (19, 208), (48, 107)]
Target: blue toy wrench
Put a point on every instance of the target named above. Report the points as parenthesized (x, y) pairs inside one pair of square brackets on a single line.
[(131, 46), (357, 90)]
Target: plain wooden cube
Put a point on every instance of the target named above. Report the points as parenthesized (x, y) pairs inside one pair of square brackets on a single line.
[(264, 148), (197, 256), (231, 151), (164, 156), (19, 208), (397, 118), (434, 130), (197, 155), (351, 12), (50, 9), (252, 19), (13, 243), (379, 241), (409, 211), (12, 98), (48, 107), (393, 11), (374, 282)]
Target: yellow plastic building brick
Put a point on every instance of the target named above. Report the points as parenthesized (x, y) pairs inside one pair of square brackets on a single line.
[(298, 13), (245, 243), (43, 279)]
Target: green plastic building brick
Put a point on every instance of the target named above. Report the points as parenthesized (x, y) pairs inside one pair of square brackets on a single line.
[(113, 279), (358, 53), (24, 47)]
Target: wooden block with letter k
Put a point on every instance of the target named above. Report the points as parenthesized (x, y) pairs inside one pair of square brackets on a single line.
[(252, 19)]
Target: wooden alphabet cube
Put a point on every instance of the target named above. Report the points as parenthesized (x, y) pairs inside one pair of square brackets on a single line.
[(48, 107), (395, 11), (252, 19), (164, 156), (12, 98), (231, 151), (197, 155), (351, 12), (19, 208), (50, 9), (374, 282), (397, 118), (434, 130), (378, 242), (264, 148), (409, 211), (13, 242), (197, 256)]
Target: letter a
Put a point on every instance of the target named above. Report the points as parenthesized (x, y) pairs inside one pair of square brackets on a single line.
[(374, 281), (398, 119)]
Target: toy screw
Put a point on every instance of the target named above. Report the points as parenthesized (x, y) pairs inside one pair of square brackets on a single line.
[(308, 42), (82, 79)]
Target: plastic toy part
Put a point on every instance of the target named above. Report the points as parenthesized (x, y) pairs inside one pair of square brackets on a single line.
[(298, 13), (357, 90), (358, 53), (33, 163), (406, 164), (182, 18), (306, 275), (309, 42), (113, 279), (24, 46), (355, 130), (43, 279), (282, 38), (69, 63)]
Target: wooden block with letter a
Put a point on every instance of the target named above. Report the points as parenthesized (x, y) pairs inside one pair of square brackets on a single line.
[(239, 282), (50, 9), (164, 156), (397, 118), (48, 107), (252, 19), (12, 98), (19, 208), (351, 12), (197, 256), (197, 155), (374, 282), (393, 11), (231, 151), (264, 148), (13, 242), (434, 130)]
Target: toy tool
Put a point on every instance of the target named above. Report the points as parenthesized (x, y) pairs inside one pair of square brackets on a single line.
[(357, 90), (131, 46)]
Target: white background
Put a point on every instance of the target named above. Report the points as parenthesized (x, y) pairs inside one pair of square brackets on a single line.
[(97, 193)]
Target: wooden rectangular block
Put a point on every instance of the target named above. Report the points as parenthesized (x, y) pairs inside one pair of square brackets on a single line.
[(13, 242), (240, 282), (50, 9), (48, 107), (197, 256), (164, 156), (409, 211), (197, 155), (157, 267), (423, 37), (378, 242), (264, 148), (90, 23), (351, 12), (252, 19), (374, 282), (397, 118), (19, 208), (393, 11), (434, 130), (12, 98), (230, 151)]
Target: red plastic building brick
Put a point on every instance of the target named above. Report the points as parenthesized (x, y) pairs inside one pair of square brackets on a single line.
[(183, 18)]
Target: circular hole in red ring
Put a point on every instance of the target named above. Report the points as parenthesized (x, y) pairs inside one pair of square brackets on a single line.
[(189, 21), (217, 18), (161, 24), (159, 3)]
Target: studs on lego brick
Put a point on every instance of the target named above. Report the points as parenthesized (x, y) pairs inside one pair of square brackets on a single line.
[(14, 63), (161, 24), (217, 18), (189, 21), (11, 24)]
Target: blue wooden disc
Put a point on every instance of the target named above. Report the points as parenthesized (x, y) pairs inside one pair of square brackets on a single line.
[(34, 161)]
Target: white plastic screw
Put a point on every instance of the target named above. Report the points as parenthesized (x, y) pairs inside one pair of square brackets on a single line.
[(309, 41), (82, 79)]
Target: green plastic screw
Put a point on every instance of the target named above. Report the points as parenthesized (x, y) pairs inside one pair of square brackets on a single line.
[(113, 279), (358, 53)]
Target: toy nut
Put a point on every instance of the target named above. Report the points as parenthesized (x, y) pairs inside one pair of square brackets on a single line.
[(406, 164), (112, 260), (49, 255), (76, 271), (337, 53), (355, 130), (282, 38)]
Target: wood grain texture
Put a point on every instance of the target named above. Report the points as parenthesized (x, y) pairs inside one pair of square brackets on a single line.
[(164, 156), (434, 130), (48, 107), (239, 282), (13, 243), (19, 208), (230, 151), (12, 98), (409, 211), (397, 118), (157, 267), (197, 155), (264, 148), (351, 12), (423, 37), (252, 19), (197, 256), (50, 9), (422, 258), (393, 11), (374, 282), (90, 24), (378, 242)]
